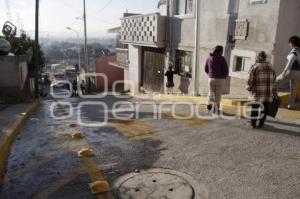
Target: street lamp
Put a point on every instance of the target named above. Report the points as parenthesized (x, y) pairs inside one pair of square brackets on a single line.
[(79, 59)]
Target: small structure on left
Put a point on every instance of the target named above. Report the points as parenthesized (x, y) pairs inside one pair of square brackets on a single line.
[(15, 83)]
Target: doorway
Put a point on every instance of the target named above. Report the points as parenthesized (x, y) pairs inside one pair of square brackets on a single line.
[(153, 69)]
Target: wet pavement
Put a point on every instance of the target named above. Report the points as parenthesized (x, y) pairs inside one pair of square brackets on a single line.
[(227, 159)]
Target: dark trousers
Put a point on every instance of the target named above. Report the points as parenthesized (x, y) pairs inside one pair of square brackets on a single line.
[(259, 113)]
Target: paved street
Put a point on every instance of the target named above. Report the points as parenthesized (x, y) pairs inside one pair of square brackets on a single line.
[(225, 158)]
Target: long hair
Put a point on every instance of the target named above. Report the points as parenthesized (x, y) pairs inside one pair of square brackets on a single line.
[(218, 51), (295, 40)]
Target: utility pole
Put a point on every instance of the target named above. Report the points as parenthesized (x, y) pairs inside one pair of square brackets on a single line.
[(86, 58), (79, 59), (36, 52)]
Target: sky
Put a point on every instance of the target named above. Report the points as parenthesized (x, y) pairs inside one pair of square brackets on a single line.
[(56, 15)]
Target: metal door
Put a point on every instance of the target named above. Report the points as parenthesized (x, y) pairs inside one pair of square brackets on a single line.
[(153, 70)]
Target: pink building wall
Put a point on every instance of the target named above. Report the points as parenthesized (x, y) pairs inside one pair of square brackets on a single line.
[(113, 73)]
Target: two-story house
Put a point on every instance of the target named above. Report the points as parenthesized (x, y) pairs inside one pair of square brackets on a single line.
[(191, 29)]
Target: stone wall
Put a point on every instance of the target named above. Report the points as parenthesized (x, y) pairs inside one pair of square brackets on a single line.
[(13, 74)]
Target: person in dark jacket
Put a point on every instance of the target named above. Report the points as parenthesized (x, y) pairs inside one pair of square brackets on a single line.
[(217, 70), (170, 79), (74, 85), (82, 87)]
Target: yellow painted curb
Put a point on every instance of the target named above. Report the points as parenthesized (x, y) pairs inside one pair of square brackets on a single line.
[(230, 106), (285, 97), (10, 136), (179, 98), (199, 100)]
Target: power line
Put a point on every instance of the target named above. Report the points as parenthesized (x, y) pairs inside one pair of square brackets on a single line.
[(105, 6)]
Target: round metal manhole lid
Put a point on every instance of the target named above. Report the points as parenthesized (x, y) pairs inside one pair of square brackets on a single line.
[(156, 184)]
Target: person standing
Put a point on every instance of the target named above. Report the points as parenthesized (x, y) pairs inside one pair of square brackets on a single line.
[(292, 70), (170, 79), (74, 85), (216, 68), (262, 86), (82, 87)]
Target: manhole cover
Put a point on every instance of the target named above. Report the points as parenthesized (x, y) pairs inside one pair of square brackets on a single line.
[(157, 184)]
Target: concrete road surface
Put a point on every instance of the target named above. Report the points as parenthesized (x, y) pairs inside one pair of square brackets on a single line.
[(224, 158)]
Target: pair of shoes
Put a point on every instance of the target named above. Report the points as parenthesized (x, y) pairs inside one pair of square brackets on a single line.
[(261, 125), (251, 125), (209, 107)]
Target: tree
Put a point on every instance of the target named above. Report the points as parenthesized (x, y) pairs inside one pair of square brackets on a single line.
[(20, 45)]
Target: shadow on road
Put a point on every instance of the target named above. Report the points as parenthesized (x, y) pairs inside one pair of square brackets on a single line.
[(273, 129), (285, 123)]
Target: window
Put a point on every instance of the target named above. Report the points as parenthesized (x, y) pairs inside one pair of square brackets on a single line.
[(254, 2), (183, 63), (184, 7), (242, 64)]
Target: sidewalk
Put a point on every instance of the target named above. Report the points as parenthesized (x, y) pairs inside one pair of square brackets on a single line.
[(12, 120), (230, 105)]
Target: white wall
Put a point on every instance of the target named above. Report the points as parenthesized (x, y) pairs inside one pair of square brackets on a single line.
[(182, 29), (288, 25), (263, 21), (182, 37), (214, 28), (135, 56)]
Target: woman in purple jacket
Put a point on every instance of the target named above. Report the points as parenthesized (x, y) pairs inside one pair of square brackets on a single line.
[(217, 70)]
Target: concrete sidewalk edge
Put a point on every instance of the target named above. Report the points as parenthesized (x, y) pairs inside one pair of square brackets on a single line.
[(10, 135), (230, 106), (225, 101)]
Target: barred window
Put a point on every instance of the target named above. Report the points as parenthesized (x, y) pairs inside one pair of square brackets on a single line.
[(184, 7), (242, 64)]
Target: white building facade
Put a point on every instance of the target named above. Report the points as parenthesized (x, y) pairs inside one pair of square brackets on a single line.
[(190, 31)]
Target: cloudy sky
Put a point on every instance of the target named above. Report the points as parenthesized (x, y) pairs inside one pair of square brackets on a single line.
[(55, 15)]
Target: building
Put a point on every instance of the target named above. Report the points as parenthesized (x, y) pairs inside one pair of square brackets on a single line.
[(121, 59), (114, 74), (14, 79), (191, 29)]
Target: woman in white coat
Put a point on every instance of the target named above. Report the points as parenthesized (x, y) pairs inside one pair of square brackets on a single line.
[(292, 70)]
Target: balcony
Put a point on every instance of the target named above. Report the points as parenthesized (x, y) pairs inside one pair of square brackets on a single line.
[(121, 58), (144, 30)]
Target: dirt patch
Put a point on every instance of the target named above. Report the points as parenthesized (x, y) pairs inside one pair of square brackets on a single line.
[(133, 129), (192, 122)]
